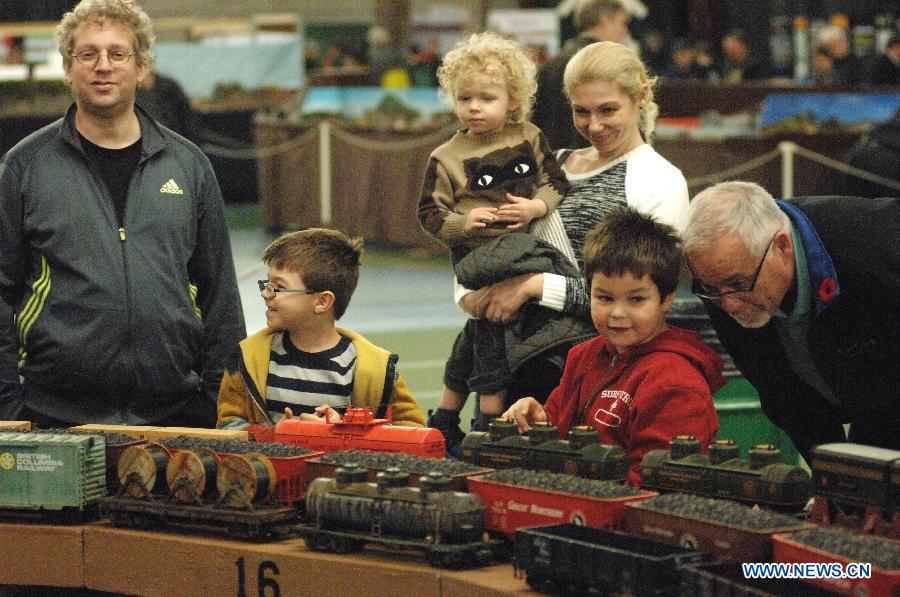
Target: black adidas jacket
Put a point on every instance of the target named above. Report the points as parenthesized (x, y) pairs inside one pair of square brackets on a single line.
[(107, 324)]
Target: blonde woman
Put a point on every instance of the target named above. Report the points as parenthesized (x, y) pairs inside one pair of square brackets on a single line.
[(611, 97)]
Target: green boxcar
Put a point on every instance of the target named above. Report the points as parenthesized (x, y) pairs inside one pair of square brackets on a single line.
[(51, 471)]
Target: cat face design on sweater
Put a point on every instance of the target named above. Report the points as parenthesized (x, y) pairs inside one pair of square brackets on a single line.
[(507, 170)]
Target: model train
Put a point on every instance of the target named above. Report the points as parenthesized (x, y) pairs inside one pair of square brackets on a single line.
[(64, 473), (541, 449), (762, 479), (198, 488), (567, 556), (357, 430), (346, 512), (859, 481)]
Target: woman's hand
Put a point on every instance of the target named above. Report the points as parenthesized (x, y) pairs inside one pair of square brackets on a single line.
[(504, 299), (525, 411)]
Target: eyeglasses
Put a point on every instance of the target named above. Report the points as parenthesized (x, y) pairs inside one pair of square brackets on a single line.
[(714, 294), (92, 57), (270, 289)]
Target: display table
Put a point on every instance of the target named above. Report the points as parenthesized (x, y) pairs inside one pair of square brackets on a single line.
[(101, 557)]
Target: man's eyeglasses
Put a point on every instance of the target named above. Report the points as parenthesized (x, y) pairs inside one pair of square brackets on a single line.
[(714, 294), (91, 57), (270, 289)]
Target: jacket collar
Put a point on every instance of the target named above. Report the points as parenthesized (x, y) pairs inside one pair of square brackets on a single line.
[(822, 274), (152, 138)]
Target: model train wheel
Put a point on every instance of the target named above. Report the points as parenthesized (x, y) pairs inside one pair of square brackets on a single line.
[(345, 545), (536, 581), (316, 542)]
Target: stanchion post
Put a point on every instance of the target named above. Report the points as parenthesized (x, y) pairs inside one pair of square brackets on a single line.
[(325, 172), (787, 149)]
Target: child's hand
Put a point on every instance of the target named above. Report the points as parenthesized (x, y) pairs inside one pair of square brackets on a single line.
[(520, 211), (478, 218), (525, 411), (323, 414)]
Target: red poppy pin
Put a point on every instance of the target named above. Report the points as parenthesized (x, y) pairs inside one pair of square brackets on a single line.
[(827, 290)]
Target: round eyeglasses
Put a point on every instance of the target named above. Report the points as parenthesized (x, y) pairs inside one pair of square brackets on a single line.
[(92, 57)]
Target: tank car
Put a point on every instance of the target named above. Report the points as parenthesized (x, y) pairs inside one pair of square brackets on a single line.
[(346, 512), (858, 480), (762, 479), (541, 449), (65, 473), (359, 430)]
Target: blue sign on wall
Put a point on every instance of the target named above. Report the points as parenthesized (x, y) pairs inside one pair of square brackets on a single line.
[(847, 108)]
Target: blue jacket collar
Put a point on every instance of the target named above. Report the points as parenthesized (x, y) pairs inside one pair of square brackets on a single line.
[(822, 275)]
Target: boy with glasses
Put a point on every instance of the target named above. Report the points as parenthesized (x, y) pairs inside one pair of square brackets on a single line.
[(805, 296), (302, 363), (118, 297)]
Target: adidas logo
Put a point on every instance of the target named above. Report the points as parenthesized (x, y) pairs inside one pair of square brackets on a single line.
[(171, 187)]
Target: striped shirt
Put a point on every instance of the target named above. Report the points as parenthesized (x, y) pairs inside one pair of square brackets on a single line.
[(592, 195), (304, 380)]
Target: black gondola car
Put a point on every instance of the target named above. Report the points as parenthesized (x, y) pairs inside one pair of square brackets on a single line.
[(541, 449), (568, 556), (762, 479)]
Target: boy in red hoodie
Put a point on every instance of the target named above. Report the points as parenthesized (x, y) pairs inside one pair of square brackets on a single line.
[(641, 382)]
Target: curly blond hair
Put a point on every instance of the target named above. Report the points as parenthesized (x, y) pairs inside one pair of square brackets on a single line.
[(501, 58), (126, 12), (615, 63)]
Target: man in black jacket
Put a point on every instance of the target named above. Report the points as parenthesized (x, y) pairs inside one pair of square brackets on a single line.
[(805, 296), (595, 20), (118, 297)]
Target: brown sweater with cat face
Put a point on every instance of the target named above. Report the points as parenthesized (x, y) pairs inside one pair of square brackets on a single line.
[(470, 171)]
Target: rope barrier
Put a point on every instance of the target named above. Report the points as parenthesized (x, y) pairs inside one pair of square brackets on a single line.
[(219, 150), (268, 151), (436, 137), (444, 133), (846, 168), (734, 171)]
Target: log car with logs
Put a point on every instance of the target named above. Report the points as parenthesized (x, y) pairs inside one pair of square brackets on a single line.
[(199, 489)]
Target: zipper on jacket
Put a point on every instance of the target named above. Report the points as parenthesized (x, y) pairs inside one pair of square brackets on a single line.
[(122, 234)]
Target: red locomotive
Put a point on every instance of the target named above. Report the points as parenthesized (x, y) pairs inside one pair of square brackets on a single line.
[(358, 430)]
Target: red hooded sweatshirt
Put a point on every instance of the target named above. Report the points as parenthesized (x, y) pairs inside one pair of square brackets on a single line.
[(642, 399)]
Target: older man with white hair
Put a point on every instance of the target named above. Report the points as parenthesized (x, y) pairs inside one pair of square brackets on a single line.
[(805, 295)]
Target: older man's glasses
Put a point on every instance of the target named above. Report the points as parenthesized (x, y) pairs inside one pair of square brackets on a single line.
[(714, 294), (270, 290), (91, 57)]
